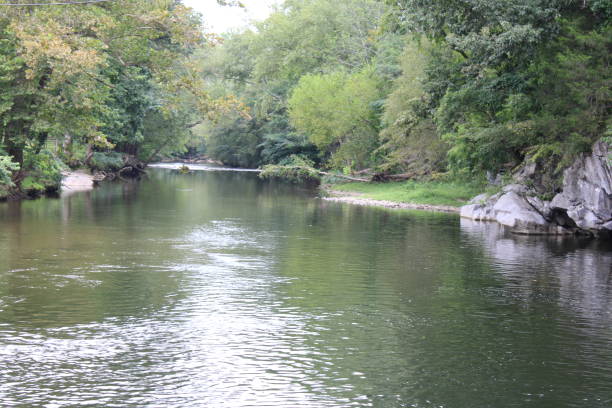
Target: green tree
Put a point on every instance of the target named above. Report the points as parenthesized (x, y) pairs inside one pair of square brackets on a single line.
[(92, 75), (262, 67), (513, 80), (411, 142), (339, 113)]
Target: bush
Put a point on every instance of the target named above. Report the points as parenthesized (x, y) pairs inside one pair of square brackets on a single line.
[(44, 171), (111, 161), (7, 166), (4, 192), (32, 187), (277, 147), (295, 169)]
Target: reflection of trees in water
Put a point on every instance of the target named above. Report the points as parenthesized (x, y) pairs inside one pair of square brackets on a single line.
[(366, 278), (449, 312), (396, 307), (574, 272), (79, 259)]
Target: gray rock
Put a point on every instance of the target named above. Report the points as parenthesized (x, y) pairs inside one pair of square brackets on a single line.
[(470, 211), (560, 201), (513, 211), (587, 190), (479, 199), (543, 207), (585, 204), (585, 218), (525, 173), (478, 212), (516, 188)]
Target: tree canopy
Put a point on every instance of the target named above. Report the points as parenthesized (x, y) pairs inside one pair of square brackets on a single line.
[(453, 87), (97, 74)]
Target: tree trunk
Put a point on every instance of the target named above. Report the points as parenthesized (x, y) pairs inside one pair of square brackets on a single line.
[(67, 145), (89, 154)]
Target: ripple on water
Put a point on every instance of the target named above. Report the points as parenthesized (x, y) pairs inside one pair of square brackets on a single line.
[(249, 298)]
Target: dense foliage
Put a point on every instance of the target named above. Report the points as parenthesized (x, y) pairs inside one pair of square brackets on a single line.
[(80, 81), (305, 44), (425, 88)]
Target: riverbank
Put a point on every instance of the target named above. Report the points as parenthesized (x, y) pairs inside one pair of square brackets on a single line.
[(429, 196), (76, 181), (71, 181)]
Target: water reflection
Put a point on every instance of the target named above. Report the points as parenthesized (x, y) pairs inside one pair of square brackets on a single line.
[(218, 289), (575, 272)]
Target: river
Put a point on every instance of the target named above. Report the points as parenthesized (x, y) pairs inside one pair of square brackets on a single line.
[(217, 289)]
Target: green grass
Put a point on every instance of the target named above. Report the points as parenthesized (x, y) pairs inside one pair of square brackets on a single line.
[(432, 193)]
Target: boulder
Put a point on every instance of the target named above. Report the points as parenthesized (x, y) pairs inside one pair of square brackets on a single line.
[(515, 211), (541, 206), (480, 208), (516, 188), (478, 212), (479, 199), (587, 190), (583, 206)]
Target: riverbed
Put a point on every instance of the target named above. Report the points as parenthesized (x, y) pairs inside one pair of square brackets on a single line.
[(218, 289)]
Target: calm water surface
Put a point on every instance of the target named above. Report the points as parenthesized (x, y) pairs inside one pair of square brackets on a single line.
[(214, 289)]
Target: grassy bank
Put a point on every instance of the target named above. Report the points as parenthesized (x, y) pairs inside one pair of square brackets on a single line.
[(430, 193)]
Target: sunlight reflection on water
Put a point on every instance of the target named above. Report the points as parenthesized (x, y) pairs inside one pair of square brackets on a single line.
[(243, 293)]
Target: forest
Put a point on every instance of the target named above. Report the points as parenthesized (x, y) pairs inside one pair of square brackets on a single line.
[(430, 90)]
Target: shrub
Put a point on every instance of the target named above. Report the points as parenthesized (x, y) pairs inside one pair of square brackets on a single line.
[(32, 187), (111, 161), (44, 169), (295, 169), (7, 166)]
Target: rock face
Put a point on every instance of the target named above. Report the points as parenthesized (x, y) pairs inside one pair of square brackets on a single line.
[(587, 190), (583, 206)]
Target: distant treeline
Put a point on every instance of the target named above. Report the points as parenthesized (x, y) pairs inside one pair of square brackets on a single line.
[(426, 87), (434, 88)]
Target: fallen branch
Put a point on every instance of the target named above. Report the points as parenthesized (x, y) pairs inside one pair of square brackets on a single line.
[(361, 180), (382, 177), (300, 173)]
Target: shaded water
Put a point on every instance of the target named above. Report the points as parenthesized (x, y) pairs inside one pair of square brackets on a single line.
[(215, 289)]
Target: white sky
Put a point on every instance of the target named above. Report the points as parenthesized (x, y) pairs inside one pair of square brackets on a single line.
[(220, 19)]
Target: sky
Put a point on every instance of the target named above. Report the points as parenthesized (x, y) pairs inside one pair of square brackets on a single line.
[(220, 19)]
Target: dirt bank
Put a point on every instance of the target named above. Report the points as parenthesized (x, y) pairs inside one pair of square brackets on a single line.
[(78, 180)]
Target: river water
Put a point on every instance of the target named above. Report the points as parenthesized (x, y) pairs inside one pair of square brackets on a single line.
[(216, 289)]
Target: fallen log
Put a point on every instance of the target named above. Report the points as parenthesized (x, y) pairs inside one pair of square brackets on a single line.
[(384, 177), (361, 180)]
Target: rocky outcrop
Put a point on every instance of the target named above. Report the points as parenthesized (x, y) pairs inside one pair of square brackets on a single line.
[(513, 208), (583, 206), (587, 191)]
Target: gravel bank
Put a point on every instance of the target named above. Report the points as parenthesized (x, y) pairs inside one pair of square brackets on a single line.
[(357, 199)]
